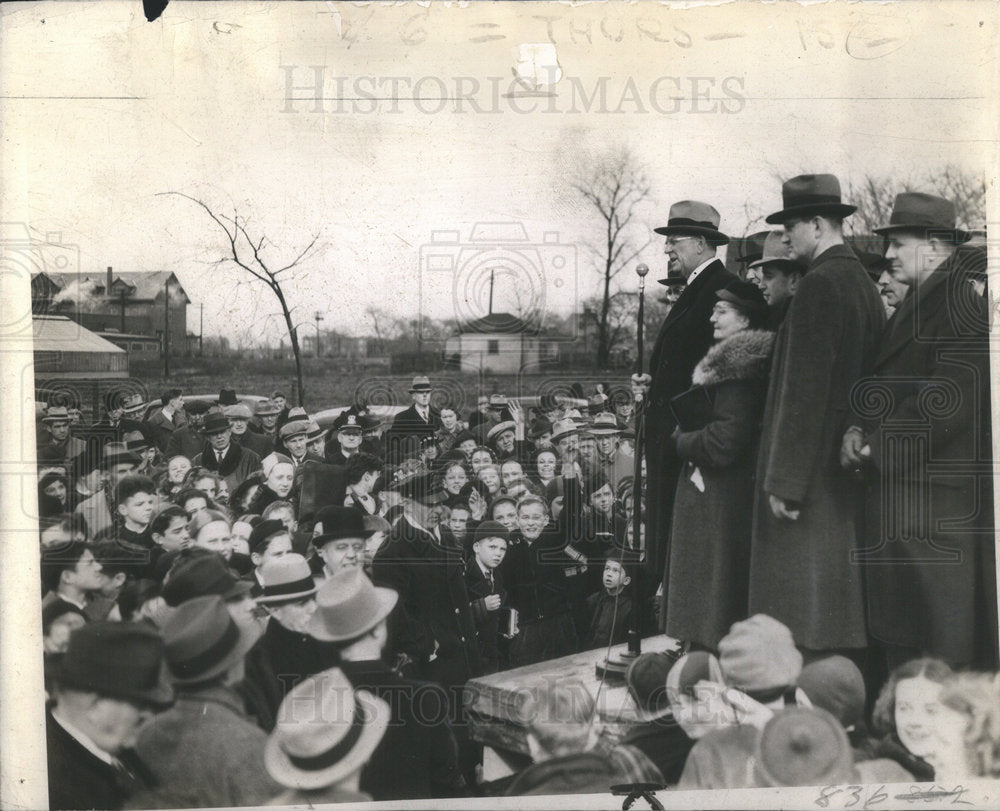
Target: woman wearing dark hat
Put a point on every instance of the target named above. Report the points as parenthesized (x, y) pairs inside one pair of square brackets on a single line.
[(706, 588)]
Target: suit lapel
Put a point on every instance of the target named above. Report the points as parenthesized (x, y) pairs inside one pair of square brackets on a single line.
[(902, 327)]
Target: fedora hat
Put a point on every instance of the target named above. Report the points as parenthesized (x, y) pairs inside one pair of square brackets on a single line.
[(285, 579), (500, 428), (775, 250), (293, 429), (202, 641), (325, 731), (215, 423), (563, 429), (336, 521), (132, 403), (297, 413), (117, 453), (348, 605), (692, 218), (539, 427), (605, 424), (137, 440), (498, 401), (119, 660), (240, 411), (752, 247), (266, 408), (916, 211), (198, 573), (56, 414), (420, 383), (810, 194), (264, 531), (227, 397), (314, 432), (672, 279)]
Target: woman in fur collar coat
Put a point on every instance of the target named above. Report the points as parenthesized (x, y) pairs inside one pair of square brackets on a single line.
[(718, 425)]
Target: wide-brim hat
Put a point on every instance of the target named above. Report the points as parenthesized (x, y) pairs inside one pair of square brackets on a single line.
[(315, 432), (198, 573), (202, 641), (325, 731), (336, 522), (563, 429), (605, 424), (132, 403), (56, 414), (809, 195), (348, 605), (266, 408), (672, 279), (116, 453), (292, 429), (227, 397), (500, 428), (137, 440), (916, 211), (285, 579), (215, 423), (752, 247), (539, 427), (420, 383), (119, 660), (693, 218), (775, 251)]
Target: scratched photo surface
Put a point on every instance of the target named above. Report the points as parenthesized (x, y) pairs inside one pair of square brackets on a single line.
[(318, 197)]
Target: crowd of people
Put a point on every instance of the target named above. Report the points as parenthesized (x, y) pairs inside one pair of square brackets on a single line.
[(241, 606)]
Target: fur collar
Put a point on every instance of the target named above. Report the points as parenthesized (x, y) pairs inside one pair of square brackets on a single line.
[(743, 356)]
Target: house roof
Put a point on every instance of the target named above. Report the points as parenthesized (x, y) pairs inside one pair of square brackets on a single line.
[(146, 285), (497, 323), (56, 333)]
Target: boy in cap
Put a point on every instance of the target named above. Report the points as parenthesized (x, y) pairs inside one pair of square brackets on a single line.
[(109, 684), (417, 758), (205, 745), (485, 585)]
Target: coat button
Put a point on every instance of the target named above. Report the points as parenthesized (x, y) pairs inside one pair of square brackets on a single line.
[(463, 639), (456, 611)]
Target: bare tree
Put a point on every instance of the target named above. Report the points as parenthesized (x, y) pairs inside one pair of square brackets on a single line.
[(247, 253), (613, 185)]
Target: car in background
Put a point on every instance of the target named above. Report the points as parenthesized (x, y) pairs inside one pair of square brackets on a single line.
[(326, 417), (249, 400)]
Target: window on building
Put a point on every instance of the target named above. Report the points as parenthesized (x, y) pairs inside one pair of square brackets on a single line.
[(493, 347)]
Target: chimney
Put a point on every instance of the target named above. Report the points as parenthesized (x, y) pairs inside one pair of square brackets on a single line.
[(107, 290)]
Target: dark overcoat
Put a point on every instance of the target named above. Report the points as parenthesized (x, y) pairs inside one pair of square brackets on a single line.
[(930, 556), (487, 622), (409, 423), (710, 535), (683, 340), (802, 572), (432, 621), (238, 463)]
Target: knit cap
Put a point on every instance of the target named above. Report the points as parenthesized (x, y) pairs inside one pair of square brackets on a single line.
[(803, 746), (759, 655)]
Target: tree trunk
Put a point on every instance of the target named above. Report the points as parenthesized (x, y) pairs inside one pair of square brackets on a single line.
[(293, 336)]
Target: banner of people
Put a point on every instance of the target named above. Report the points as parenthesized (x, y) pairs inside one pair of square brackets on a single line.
[(244, 603)]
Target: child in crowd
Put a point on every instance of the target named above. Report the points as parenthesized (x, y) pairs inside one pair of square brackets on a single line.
[(136, 500), (611, 607), (485, 587)]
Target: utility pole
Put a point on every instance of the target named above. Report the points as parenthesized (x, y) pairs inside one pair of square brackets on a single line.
[(492, 275), (166, 329), (318, 318), (201, 328)]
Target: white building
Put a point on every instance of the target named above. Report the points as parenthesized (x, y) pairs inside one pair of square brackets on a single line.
[(500, 343)]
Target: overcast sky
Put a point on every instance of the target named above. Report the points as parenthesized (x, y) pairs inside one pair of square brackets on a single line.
[(103, 111)]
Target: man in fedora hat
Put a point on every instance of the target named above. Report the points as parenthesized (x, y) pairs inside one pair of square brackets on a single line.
[(692, 239), (418, 757), (286, 652), (777, 276), (325, 734), (240, 416), (169, 418), (420, 419), (100, 509), (610, 459), (266, 413), (805, 506), (109, 684), (221, 455), (205, 748), (60, 442), (752, 250), (938, 596)]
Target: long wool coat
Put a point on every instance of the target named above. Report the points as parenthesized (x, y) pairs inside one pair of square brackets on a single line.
[(683, 340), (710, 546), (802, 572), (931, 566)]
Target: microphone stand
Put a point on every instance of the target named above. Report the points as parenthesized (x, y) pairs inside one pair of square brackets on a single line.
[(612, 666)]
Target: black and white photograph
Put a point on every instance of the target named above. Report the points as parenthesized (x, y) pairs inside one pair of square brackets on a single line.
[(499, 404)]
